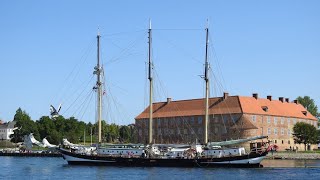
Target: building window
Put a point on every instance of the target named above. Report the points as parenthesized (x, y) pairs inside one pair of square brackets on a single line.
[(275, 130), (275, 120), (199, 130), (269, 131), (294, 121), (200, 120), (288, 121), (282, 120), (254, 117), (282, 142), (288, 141), (282, 131), (289, 132), (268, 120), (216, 129), (275, 141), (192, 120)]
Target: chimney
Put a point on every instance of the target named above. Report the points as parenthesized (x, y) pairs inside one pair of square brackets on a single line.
[(225, 95), (295, 101), (168, 100), (281, 99), (255, 95), (287, 100), (269, 97)]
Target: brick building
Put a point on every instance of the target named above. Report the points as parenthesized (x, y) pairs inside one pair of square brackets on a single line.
[(230, 117)]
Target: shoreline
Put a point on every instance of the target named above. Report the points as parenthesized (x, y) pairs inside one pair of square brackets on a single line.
[(294, 155), (31, 154)]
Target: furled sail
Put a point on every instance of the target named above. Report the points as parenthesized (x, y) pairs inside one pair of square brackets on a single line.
[(237, 141)]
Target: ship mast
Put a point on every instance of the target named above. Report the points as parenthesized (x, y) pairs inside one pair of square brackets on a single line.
[(206, 78), (97, 71), (150, 88)]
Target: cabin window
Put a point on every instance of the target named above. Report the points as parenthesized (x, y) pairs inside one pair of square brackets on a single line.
[(235, 151)]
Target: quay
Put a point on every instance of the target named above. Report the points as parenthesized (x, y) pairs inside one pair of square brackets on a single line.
[(30, 154), (294, 155)]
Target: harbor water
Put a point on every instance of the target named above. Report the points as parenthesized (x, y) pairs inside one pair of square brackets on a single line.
[(57, 168)]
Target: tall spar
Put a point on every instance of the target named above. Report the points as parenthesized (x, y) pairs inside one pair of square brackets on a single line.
[(206, 78), (150, 89), (97, 71)]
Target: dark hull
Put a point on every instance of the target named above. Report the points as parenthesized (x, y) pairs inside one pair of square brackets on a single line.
[(252, 160)]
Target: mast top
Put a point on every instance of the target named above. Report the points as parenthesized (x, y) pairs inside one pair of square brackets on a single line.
[(98, 32), (149, 23), (207, 23)]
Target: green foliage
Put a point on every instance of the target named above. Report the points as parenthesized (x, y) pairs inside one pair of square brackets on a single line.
[(304, 133), (25, 126), (309, 104), (72, 129)]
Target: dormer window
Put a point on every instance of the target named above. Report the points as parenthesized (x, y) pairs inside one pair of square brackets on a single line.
[(304, 113), (264, 108)]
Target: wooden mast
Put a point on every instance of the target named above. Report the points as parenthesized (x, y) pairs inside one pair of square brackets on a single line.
[(150, 88), (206, 78), (98, 87)]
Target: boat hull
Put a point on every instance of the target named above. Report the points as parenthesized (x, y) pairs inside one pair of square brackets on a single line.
[(252, 160)]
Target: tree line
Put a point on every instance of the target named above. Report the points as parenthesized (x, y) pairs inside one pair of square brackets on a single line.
[(71, 128)]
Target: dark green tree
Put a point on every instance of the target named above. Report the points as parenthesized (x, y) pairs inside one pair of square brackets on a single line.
[(309, 104), (47, 129), (24, 125), (125, 134), (304, 133)]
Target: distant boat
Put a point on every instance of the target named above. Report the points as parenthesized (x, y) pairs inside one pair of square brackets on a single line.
[(166, 155)]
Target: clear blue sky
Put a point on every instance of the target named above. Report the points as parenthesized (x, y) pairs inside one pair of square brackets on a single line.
[(265, 47)]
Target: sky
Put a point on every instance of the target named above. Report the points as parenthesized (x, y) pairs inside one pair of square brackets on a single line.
[(48, 51)]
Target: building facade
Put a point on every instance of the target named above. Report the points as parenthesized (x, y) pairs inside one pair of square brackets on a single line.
[(6, 129), (230, 117)]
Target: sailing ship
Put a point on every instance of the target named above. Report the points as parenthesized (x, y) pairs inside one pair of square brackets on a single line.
[(209, 154)]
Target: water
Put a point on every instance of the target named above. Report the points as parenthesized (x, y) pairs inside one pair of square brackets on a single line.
[(57, 168)]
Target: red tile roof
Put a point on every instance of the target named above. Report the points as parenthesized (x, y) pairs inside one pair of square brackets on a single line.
[(193, 107), (250, 105), (230, 105)]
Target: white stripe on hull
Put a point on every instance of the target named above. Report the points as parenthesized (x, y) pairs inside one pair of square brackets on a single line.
[(71, 158), (256, 160)]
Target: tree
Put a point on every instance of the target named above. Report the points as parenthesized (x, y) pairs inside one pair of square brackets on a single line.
[(24, 125), (309, 104), (124, 133), (304, 133)]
